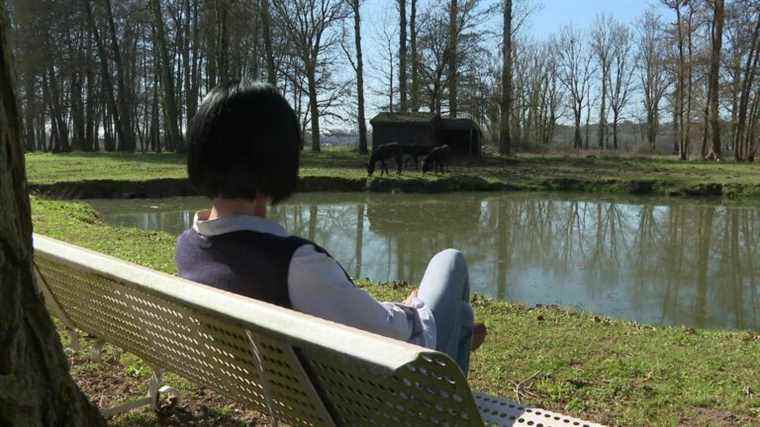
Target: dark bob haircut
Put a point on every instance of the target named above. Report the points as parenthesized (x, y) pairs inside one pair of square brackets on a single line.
[(243, 142)]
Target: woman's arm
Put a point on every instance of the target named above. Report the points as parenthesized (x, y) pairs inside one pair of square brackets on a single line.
[(318, 286)]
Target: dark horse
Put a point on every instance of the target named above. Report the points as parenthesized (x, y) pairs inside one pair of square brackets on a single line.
[(437, 160), (392, 150), (413, 154)]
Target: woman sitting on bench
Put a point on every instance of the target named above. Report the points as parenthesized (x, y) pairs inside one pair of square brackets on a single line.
[(244, 153)]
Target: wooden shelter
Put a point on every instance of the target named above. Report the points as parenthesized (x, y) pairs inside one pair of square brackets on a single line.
[(426, 129)]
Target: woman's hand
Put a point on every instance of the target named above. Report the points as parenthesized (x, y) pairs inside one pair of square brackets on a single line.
[(479, 332), (412, 295)]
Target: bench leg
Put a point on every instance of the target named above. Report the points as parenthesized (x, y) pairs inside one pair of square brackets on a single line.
[(97, 350), (74, 346), (155, 389)]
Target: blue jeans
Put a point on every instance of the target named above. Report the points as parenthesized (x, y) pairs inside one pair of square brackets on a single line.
[(445, 288)]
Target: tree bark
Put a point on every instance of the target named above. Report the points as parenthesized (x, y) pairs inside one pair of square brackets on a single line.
[(266, 24), (90, 141), (690, 68), (223, 42), (742, 149), (126, 136), (104, 70), (402, 56), (683, 124), (171, 116), (359, 77), (505, 140), (452, 56), (195, 84), (313, 109), (717, 44), (35, 386), (415, 92)]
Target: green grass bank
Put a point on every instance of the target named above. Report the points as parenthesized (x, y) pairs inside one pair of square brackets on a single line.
[(603, 370), (91, 175)]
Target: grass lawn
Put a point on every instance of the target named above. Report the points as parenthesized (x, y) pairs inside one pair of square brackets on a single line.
[(525, 172), (603, 370)]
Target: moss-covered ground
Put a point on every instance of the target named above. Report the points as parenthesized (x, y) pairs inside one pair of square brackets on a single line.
[(603, 370), (95, 174)]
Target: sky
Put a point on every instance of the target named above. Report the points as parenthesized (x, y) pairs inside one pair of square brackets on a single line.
[(547, 18), (553, 14)]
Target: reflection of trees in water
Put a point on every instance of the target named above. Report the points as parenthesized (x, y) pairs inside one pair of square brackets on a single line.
[(678, 264), (422, 226)]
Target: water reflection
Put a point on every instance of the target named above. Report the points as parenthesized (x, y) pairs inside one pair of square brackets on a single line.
[(641, 259)]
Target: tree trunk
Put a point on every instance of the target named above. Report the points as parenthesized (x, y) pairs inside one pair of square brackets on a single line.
[(313, 108), (360, 78), (167, 83), (104, 70), (452, 57), (578, 140), (90, 139), (223, 43), (155, 135), (588, 119), (126, 136), (742, 149), (651, 132), (31, 102), (77, 113), (687, 119), (683, 124), (505, 139), (402, 56), (414, 57), (717, 44), (35, 386), (266, 23), (706, 119), (195, 84), (603, 111)]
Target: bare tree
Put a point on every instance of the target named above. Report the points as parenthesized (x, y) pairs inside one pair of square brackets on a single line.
[(601, 41), (505, 141), (683, 122), (715, 60), (121, 130), (384, 65), (434, 45), (451, 57), (309, 26), (651, 67), (266, 27), (414, 58), (748, 62), (126, 139), (358, 67), (171, 114), (402, 65), (575, 73), (620, 75)]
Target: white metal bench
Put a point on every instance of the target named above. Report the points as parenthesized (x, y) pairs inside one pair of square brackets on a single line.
[(298, 369)]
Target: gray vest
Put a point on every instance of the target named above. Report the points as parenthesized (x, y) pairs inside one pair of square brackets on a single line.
[(245, 262)]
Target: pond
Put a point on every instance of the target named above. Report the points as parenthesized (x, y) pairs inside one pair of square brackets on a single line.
[(677, 262)]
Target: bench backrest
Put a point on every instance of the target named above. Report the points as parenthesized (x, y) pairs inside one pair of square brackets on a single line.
[(302, 369)]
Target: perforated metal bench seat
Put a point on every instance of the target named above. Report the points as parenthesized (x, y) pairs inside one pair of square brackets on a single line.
[(298, 369)]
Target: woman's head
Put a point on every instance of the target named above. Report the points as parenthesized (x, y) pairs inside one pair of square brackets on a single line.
[(244, 143)]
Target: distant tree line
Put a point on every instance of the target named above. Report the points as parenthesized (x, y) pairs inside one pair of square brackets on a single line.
[(128, 75)]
